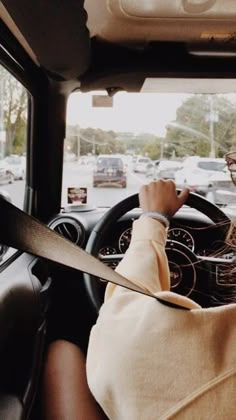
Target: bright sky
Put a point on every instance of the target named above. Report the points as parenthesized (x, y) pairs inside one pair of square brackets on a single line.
[(130, 112)]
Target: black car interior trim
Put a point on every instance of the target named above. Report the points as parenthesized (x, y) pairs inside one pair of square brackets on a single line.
[(19, 323), (72, 44)]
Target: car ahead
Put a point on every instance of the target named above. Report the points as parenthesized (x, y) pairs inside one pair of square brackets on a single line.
[(109, 170), (152, 168), (167, 169), (16, 165), (201, 173), (140, 165), (152, 62), (87, 160)]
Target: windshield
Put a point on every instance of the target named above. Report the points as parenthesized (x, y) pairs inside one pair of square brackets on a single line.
[(109, 162), (212, 166), (111, 151)]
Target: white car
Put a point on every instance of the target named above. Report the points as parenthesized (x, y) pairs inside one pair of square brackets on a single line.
[(167, 169), (141, 164), (16, 165), (6, 176), (202, 174)]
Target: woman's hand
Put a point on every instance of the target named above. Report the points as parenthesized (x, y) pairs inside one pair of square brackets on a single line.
[(161, 196)]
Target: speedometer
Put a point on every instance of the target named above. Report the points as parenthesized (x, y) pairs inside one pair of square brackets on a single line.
[(182, 236), (124, 240)]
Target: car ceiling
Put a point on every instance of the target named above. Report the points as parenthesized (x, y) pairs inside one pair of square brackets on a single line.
[(116, 44)]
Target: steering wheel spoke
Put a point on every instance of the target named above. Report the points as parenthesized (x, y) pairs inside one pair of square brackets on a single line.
[(217, 260), (219, 268), (113, 258), (219, 278)]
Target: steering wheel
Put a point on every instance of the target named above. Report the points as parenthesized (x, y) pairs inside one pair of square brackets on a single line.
[(178, 254)]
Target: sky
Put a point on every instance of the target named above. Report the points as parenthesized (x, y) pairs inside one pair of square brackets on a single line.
[(130, 112)]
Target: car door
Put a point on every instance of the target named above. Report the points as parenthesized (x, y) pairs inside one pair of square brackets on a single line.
[(24, 280)]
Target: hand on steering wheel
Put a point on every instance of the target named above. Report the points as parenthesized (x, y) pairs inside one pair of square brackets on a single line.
[(95, 242)]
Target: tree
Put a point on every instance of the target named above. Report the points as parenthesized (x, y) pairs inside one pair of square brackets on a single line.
[(14, 104), (152, 148), (93, 141), (191, 132)]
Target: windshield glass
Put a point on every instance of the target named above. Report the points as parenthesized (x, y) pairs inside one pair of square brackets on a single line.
[(111, 151), (212, 166)]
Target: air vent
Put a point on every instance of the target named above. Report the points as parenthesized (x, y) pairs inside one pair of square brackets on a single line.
[(70, 228)]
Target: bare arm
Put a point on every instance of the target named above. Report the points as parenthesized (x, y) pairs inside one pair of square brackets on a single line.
[(145, 262)]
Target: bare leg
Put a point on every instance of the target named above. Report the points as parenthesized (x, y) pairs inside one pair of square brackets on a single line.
[(66, 395)]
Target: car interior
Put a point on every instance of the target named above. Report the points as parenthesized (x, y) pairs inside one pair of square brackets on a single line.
[(129, 78)]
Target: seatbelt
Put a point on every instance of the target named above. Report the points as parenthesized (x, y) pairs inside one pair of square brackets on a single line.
[(25, 233)]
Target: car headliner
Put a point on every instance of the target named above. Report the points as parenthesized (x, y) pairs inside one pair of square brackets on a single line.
[(116, 44)]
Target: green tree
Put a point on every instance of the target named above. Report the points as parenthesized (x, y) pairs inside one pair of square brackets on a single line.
[(190, 133), (14, 102), (92, 141), (152, 148)]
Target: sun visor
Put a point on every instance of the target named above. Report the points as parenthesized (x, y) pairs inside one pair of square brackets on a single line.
[(58, 37), (188, 85)]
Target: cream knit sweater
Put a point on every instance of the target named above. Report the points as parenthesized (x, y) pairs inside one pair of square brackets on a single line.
[(148, 361)]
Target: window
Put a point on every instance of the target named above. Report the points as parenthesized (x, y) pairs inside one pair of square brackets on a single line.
[(185, 134), (212, 166), (13, 132)]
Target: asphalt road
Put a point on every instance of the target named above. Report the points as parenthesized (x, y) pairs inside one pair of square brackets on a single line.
[(80, 176), (16, 192)]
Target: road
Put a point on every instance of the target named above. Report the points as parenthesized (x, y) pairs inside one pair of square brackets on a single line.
[(16, 192), (81, 176)]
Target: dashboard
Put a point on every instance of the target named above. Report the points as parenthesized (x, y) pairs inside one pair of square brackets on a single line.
[(188, 228), (201, 236)]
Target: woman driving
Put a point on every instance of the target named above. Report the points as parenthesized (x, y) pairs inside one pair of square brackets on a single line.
[(150, 359)]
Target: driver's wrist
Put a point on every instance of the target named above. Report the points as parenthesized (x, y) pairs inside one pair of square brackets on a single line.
[(162, 218)]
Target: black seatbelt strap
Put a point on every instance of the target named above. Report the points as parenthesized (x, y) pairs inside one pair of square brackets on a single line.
[(25, 233)]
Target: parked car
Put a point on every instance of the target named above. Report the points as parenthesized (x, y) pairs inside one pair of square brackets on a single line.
[(17, 165), (109, 170), (200, 173), (6, 175), (140, 165)]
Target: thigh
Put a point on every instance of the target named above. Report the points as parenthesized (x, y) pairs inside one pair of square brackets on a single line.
[(65, 392)]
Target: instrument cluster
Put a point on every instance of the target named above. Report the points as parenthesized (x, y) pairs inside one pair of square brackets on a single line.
[(121, 245)]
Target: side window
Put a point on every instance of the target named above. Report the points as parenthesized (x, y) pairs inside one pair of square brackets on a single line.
[(13, 133)]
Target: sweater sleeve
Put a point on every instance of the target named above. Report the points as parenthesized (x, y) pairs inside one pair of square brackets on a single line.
[(145, 262)]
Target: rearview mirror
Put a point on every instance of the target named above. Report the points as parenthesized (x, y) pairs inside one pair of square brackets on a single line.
[(102, 101)]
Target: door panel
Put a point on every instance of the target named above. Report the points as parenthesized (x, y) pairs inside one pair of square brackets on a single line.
[(23, 302)]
